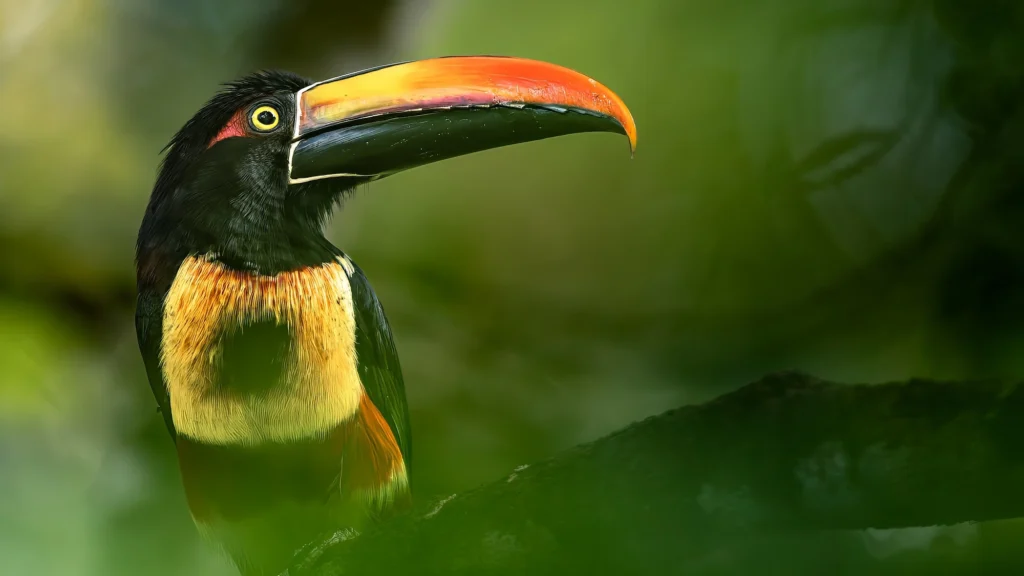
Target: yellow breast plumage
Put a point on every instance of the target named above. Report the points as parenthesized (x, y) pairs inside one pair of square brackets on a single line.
[(319, 386)]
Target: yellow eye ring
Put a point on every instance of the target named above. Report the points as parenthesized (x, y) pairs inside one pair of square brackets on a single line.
[(265, 118)]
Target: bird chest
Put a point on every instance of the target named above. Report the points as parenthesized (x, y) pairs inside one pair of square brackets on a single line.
[(250, 358)]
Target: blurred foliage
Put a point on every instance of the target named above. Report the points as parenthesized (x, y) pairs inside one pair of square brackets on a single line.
[(828, 185)]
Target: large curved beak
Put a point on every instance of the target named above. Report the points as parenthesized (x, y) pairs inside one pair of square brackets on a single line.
[(381, 121)]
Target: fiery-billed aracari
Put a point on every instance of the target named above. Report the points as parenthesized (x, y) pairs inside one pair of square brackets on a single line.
[(269, 355)]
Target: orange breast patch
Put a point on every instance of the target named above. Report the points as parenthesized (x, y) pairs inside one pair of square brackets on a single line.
[(320, 386)]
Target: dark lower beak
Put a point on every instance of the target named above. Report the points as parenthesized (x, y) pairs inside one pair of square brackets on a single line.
[(382, 121)]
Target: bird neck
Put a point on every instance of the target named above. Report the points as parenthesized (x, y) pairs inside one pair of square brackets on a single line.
[(276, 245), (266, 240), (236, 204)]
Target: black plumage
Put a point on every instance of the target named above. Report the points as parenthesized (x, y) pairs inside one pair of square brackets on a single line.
[(228, 201), (267, 351)]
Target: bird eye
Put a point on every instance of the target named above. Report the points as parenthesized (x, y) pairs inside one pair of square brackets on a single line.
[(265, 118)]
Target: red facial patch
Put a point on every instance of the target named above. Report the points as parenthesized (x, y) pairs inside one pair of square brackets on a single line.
[(237, 126)]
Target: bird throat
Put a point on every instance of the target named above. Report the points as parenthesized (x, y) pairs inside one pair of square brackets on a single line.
[(250, 358)]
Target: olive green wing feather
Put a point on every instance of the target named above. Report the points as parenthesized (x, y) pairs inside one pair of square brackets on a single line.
[(378, 364)]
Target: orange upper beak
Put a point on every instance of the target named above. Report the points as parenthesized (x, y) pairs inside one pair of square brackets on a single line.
[(385, 120)]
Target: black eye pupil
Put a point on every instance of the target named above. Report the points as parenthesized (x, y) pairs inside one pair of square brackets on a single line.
[(266, 117)]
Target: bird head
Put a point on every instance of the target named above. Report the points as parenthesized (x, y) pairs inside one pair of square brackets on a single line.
[(252, 177)]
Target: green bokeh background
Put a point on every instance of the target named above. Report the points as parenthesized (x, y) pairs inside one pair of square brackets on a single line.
[(819, 184)]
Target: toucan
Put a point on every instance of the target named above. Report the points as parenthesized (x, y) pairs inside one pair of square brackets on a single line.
[(270, 357)]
